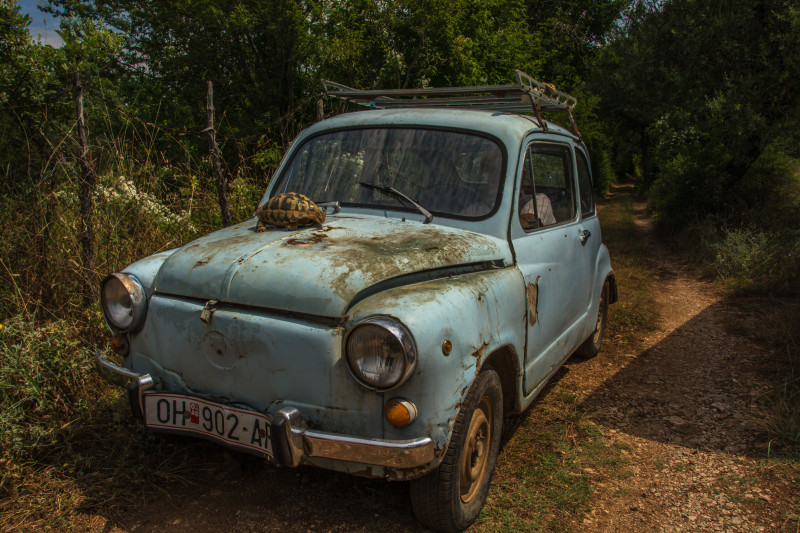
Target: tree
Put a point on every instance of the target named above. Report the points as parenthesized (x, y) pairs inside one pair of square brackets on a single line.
[(707, 87)]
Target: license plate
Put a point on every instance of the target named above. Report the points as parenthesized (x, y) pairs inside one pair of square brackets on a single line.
[(233, 426)]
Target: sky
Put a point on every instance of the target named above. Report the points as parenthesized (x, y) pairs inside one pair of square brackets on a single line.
[(39, 31)]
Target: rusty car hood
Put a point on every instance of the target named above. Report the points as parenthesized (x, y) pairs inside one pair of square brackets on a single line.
[(317, 270)]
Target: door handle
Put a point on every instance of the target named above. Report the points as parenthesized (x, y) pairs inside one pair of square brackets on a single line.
[(584, 235)]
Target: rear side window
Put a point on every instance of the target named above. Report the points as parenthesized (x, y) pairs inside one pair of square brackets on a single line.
[(585, 184)]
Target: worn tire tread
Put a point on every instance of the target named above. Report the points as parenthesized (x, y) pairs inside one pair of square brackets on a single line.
[(588, 349)]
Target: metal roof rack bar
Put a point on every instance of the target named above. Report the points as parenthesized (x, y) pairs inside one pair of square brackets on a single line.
[(528, 96)]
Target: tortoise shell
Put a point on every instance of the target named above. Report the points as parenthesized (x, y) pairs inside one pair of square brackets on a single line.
[(289, 210)]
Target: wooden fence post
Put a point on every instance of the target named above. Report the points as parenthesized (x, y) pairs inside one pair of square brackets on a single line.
[(320, 110), (222, 191), (88, 179)]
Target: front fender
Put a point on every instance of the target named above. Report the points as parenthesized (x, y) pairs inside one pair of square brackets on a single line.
[(145, 270), (478, 313)]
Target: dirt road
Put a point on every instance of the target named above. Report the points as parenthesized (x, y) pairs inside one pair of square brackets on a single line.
[(683, 406), (688, 407)]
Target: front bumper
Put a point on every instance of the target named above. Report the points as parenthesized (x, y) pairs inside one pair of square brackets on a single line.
[(292, 442)]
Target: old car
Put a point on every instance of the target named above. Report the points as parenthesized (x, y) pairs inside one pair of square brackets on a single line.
[(459, 265)]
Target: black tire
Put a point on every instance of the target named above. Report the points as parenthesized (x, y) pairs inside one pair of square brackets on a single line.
[(592, 345), (451, 497)]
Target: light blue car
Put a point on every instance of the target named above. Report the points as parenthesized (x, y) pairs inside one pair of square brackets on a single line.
[(459, 266)]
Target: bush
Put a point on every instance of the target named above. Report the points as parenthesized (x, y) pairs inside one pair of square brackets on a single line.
[(46, 378), (749, 258)]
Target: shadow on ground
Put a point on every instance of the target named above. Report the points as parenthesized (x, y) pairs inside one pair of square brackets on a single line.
[(700, 387)]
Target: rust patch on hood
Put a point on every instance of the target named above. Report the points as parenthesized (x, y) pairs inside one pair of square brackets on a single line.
[(202, 262), (317, 236), (326, 229), (314, 239), (532, 291)]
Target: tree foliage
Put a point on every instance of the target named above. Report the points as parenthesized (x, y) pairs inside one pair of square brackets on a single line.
[(707, 89), (701, 95)]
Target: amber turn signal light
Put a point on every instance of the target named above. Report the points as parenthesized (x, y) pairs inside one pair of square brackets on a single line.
[(400, 413)]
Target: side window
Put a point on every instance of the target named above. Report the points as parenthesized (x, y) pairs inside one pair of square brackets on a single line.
[(585, 184), (547, 195)]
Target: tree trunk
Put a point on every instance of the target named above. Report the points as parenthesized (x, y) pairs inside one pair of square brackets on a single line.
[(88, 180), (222, 191)]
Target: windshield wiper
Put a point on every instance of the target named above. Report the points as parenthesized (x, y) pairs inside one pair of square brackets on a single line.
[(394, 192)]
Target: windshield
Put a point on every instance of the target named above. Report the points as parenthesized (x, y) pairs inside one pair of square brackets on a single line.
[(446, 172)]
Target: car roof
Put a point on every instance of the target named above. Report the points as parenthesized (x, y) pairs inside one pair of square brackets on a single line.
[(508, 127)]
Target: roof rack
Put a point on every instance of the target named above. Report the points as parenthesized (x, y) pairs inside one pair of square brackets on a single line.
[(527, 96)]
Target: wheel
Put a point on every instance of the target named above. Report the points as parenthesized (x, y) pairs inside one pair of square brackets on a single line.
[(592, 345), (450, 497)]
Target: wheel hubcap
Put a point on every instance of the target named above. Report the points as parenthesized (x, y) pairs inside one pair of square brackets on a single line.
[(476, 450)]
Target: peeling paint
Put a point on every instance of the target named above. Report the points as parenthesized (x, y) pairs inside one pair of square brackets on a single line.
[(478, 355), (202, 262), (533, 301), (298, 242)]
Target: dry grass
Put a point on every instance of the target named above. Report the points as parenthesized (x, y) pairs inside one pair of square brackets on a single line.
[(547, 472)]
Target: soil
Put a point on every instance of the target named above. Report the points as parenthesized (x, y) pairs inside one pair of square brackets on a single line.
[(686, 407)]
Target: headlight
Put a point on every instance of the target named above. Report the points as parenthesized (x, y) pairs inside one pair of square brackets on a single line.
[(380, 352), (123, 300)]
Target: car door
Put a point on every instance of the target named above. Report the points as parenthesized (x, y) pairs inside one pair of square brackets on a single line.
[(548, 242)]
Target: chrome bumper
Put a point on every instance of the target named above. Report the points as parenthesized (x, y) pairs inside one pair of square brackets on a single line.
[(297, 444), (292, 443), (116, 375)]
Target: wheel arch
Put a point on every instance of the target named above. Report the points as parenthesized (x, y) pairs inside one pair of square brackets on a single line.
[(613, 295), (505, 362)]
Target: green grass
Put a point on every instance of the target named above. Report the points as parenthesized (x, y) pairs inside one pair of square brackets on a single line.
[(68, 443), (547, 472)]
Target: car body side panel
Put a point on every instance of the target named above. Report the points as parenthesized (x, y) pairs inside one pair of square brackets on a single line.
[(478, 313), (602, 270)]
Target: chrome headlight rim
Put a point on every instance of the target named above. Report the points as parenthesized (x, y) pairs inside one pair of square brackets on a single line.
[(403, 336), (137, 297)]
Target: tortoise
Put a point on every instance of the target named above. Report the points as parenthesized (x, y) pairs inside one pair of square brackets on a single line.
[(290, 210)]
